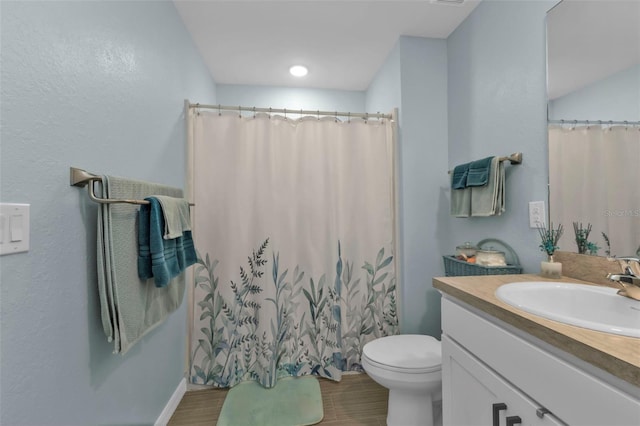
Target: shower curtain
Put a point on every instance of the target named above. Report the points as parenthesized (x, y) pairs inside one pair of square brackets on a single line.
[(593, 178), (294, 228)]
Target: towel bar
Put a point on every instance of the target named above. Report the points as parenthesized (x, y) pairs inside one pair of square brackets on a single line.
[(79, 177), (515, 158)]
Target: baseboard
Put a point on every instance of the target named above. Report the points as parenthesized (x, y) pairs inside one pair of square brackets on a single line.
[(172, 404)]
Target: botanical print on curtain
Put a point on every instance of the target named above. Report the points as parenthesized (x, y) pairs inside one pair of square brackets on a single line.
[(593, 178), (294, 228)]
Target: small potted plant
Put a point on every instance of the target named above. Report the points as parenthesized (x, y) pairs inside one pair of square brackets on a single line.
[(549, 244), (582, 237)]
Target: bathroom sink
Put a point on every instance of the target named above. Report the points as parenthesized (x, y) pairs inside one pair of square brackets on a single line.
[(593, 307)]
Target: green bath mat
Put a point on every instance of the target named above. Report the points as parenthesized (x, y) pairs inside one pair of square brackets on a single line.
[(294, 401)]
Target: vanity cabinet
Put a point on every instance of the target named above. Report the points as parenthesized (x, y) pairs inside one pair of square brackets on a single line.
[(476, 395), (493, 374)]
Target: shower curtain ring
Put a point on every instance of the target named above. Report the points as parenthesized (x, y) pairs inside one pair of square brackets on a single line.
[(349, 117), (219, 110), (270, 113), (239, 111), (254, 112), (318, 115), (336, 117), (285, 113)]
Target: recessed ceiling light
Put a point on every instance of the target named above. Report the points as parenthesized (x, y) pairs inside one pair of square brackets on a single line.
[(298, 70)]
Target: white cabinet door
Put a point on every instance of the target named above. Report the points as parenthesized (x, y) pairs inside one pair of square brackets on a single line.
[(475, 395)]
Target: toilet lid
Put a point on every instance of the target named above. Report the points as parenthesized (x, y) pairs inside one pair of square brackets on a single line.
[(405, 351)]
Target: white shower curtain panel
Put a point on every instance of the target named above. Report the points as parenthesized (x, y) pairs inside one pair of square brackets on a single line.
[(593, 176), (294, 228)]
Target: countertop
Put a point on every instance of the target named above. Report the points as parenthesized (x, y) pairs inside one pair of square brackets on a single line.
[(618, 355)]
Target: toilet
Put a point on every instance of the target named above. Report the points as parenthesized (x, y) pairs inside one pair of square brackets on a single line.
[(410, 366)]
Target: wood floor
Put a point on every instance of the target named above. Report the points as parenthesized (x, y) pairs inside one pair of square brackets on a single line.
[(354, 401)]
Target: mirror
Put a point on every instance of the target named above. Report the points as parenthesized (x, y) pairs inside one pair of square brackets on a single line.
[(593, 88)]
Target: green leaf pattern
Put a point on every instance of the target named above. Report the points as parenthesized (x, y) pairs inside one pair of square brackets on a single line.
[(265, 326)]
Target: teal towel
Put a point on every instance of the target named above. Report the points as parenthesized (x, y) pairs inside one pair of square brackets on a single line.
[(159, 258), (479, 171), (130, 307), (459, 176)]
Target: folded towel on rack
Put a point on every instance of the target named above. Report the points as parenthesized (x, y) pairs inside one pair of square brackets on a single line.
[(460, 202), (159, 258), (488, 200), (479, 172), (130, 307), (459, 176), (177, 216)]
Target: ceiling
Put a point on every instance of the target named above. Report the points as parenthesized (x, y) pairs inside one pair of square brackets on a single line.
[(343, 43), (590, 40)]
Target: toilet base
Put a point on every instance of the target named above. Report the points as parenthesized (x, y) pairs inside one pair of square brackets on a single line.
[(409, 408)]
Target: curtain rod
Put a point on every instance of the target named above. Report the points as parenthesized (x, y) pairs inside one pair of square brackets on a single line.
[(286, 111), (587, 122)]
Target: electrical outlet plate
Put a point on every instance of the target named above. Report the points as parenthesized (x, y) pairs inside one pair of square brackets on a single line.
[(536, 214)]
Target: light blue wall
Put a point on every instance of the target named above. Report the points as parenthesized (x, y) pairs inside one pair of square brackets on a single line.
[(614, 98), (290, 98), (423, 154), (101, 86), (414, 78), (497, 105), (384, 92)]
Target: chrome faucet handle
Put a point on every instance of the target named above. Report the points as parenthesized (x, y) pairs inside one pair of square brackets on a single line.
[(630, 265)]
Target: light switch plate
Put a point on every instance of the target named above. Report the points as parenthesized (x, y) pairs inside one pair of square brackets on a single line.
[(14, 236)]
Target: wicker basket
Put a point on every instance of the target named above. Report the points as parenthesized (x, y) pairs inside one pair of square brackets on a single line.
[(454, 267)]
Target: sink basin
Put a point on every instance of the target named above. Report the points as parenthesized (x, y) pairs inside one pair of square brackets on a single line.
[(593, 307)]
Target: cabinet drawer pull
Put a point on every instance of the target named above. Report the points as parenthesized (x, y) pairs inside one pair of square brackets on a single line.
[(514, 420), (540, 412), (496, 412)]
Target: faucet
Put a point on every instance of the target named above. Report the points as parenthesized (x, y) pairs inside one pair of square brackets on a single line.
[(629, 279)]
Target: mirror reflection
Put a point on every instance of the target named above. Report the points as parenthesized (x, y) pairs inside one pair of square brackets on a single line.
[(593, 88)]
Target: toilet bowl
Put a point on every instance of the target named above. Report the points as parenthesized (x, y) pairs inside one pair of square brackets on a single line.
[(410, 366)]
